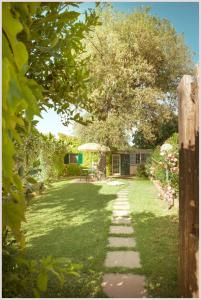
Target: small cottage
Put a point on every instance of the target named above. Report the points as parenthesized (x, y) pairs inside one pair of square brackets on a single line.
[(123, 163), (126, 163)]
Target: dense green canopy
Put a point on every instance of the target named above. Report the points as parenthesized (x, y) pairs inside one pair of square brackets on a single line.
[(136, 63)]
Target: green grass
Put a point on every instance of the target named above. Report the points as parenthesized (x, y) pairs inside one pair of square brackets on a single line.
[(71, 220), (156, 233)]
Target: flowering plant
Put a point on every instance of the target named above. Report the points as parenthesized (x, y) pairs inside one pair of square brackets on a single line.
[(164, 167)]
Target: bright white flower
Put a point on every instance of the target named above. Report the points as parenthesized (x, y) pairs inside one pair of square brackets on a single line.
[(165, 148)]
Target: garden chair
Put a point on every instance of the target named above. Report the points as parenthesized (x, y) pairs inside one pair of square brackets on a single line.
[(84, 173)]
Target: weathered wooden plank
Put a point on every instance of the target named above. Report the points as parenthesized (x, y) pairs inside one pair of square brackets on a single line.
[(188, 181)]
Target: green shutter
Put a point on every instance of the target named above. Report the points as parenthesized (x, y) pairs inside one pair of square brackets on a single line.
[(66, 159), (80, 158)]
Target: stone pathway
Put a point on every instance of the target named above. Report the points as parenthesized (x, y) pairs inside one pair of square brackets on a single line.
[(120, 285)]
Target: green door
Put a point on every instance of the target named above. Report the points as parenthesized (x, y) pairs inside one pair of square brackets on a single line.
[(125, 164)]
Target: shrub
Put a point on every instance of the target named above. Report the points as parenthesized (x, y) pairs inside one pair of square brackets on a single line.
[(167, 162), (72, 170), (141, 171), (108, 164)]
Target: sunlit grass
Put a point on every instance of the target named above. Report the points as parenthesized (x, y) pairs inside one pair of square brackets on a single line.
[(156, 233), (71, 220)]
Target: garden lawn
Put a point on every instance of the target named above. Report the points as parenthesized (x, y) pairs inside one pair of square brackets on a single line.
[(71, 220), (156, 233)]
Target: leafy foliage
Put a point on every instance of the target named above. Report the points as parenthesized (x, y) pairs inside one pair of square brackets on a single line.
[(141, 171), (53, 37), (41, 45), (165, 169), (19, 105), (72, 142), (72, 170), (41, 59), (162, 132), (130, 81), (111, 132), (31, 276)]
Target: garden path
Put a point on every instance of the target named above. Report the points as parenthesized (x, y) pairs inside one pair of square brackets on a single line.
[(122, 254)]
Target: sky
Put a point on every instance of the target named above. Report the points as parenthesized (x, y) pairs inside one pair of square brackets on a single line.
[(184, 16)]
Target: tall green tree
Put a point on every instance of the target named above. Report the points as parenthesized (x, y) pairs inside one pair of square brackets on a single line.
[(163, 131), (136, 63), (111, 132)]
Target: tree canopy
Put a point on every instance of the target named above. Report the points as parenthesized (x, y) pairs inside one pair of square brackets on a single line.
[(110, 132), (136, 63)]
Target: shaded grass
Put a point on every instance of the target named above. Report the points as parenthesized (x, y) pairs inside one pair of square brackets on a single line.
[(156, 233), (72, 221)]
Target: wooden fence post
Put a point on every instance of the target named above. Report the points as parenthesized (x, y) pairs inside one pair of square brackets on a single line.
[(188, 186)]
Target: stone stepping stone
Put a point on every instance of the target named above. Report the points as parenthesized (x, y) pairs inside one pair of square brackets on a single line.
[(121, 229), (121, 206), (121, 220), (122, 197), (124, 259), (121, 200), (124, 286), (123, 194), (121, 242), (121, 213)]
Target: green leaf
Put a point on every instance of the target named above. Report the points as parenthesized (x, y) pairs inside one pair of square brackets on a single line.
[(17, 182), (21, 171), (13, 214), (36, 293), (73, 273), (34, 171), (5, 82), (33, 6), (12, 27), (31, 180), (42, 281), (36, 163), (6, 50)]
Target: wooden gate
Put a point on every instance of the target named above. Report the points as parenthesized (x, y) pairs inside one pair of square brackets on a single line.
[(189, 185)]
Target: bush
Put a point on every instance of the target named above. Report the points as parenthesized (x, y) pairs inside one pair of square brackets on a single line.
[(141, 171), (72, 170), (168, 161), (108, 164)]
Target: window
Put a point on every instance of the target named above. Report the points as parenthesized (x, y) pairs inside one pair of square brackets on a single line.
[(116, 164), (73, 158), (132, 159), (143, 158), (137, 160)]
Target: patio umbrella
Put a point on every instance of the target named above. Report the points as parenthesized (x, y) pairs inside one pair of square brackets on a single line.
[(93, 147)]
